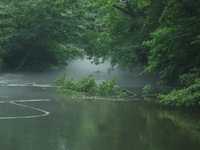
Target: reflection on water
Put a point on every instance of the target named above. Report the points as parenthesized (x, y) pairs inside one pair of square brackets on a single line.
[(89, 125), (99, 125)]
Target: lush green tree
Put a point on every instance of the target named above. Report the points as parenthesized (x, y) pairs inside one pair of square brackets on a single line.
[(162, 36), (174, 45), (118, 29), (38, 33)]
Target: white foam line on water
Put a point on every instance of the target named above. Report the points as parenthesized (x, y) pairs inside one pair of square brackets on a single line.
[(28, 85), (44, 113), (31, 100)]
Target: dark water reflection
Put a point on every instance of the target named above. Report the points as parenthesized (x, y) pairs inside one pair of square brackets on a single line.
[(101, 126)]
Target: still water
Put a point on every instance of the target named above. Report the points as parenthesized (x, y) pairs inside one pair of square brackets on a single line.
[(87, 124)]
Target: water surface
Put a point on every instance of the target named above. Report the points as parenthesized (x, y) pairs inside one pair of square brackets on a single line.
[(87, 124)]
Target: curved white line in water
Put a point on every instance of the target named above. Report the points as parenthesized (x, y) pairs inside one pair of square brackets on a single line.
[(28, 85), (31, 100), (44, 113)]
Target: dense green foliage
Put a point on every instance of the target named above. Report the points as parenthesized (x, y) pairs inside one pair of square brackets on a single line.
[(186, 97), (38, 33), (88, 86), (161, 36)]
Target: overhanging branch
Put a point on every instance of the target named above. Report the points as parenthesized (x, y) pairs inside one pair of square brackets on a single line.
[(124, 10)]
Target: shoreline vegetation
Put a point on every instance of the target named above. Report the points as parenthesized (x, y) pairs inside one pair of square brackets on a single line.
[(160, 36), (189, 96), (88, 87)]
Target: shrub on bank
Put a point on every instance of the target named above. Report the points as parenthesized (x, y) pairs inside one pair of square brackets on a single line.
[(189, 96), (88, 86)]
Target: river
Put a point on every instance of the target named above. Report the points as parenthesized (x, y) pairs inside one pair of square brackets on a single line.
[(34, 117)]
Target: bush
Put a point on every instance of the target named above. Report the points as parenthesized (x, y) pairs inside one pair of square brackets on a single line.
[(109, 88), (189, 78), (89, 86), (186, 97), (147, 90)]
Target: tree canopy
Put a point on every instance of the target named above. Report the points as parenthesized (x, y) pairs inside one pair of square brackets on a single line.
[(38, 33), (161, 36)]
